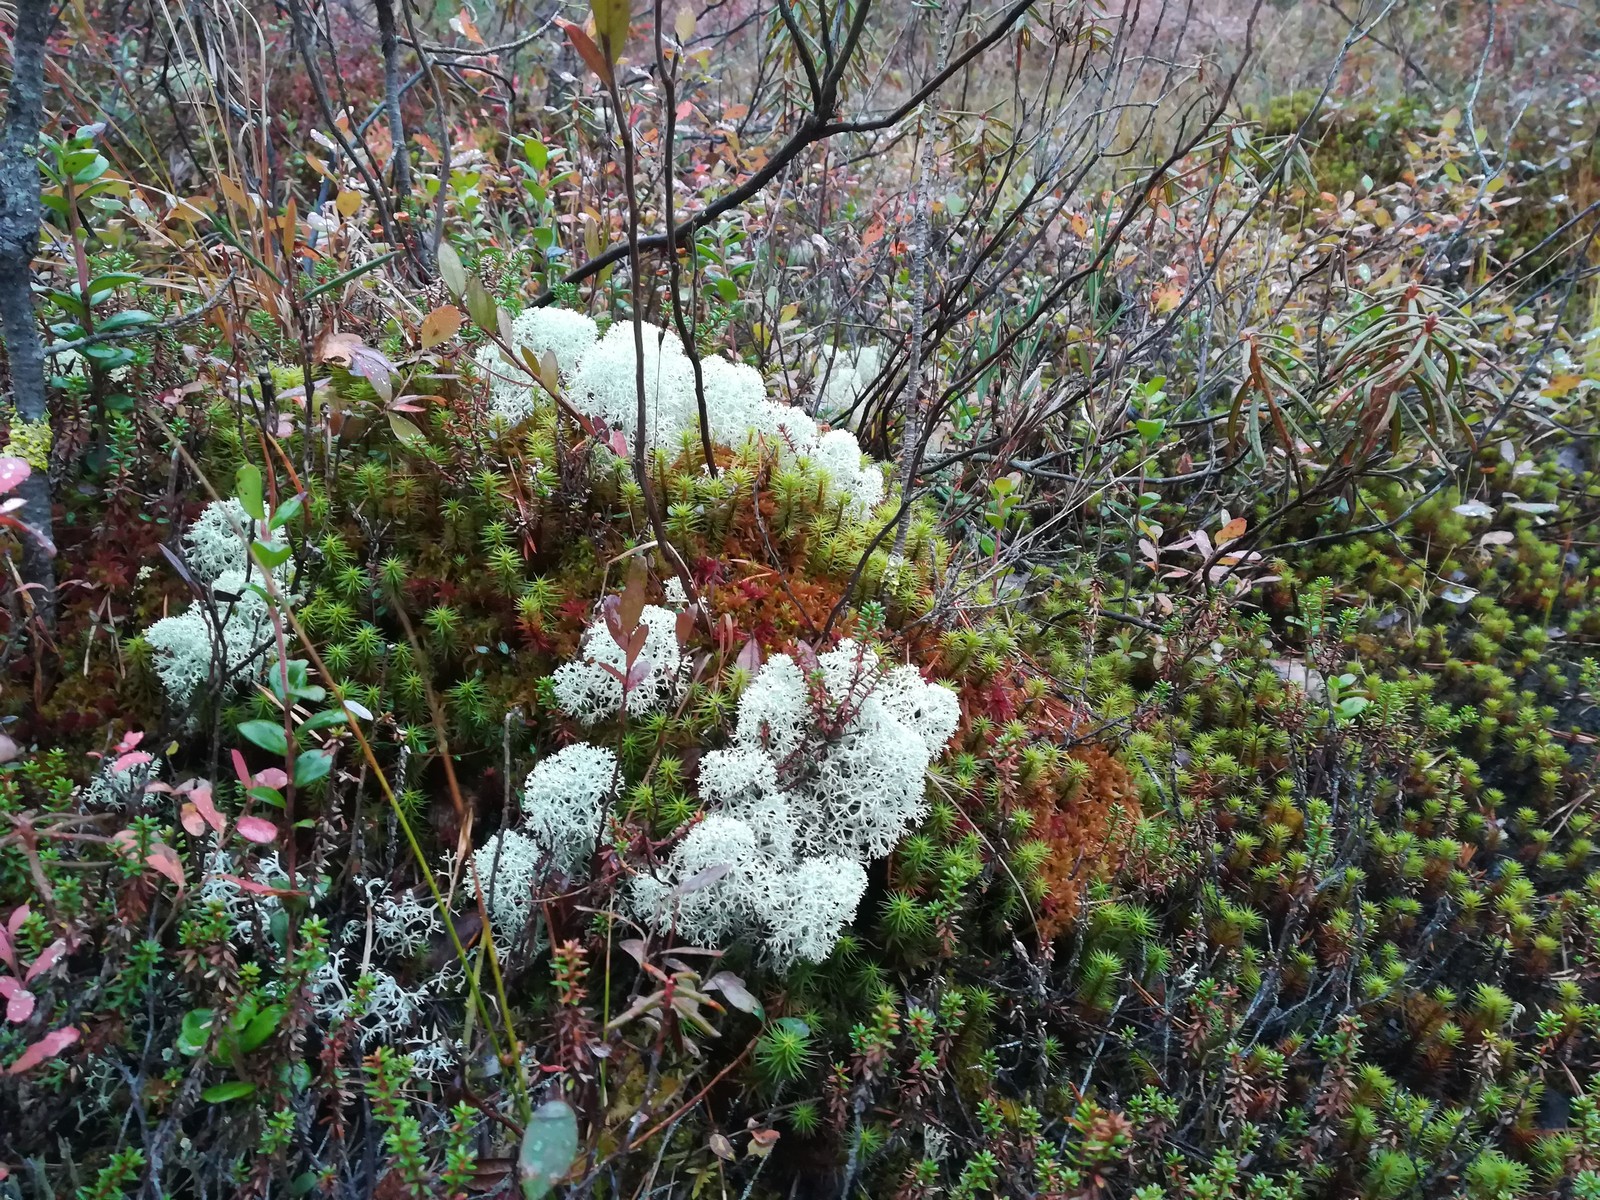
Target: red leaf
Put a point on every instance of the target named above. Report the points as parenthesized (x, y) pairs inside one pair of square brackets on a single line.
[(618, 441), (258, 829), (242, 770), (19, 1000), (165, 860), (48, 957), (587, 50), (208, 811), (50, 1045)]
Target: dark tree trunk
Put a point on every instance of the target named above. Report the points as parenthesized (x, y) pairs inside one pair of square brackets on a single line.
[(19, 242)]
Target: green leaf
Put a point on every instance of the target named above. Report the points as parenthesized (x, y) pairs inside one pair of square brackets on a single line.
[(311, 766), (195, 1032), (321, 720), (69, 302), (481, 306), (1150, 428), (126, 319), (549, 1146), (355, 272), (1352, 706), (102, 286), (610, 26), (248, 484), (108, 358), (91, 172), (259, 1028), (451, 270), (268, 735), (234, 1089), (266, 795), (406, 431), (286, 512), (271, 556), (536, 152)]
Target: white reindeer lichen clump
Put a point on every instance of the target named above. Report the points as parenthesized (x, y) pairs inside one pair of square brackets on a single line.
[(822, 776), (590, 692), (506, 870), (557, 331), (564, 799), (231, 634), (814, 787), (601, 378)]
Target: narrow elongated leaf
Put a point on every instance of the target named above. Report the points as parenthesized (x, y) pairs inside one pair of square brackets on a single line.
[(588, 51)]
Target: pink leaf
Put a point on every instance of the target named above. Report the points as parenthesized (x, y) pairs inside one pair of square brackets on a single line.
[(202, 801), (9, 749), (377, 370), (618, 443), (636, 674), (50, 1045), (19, 1000), (7, 954), (750, 657), (129, 741), (242, 770), (36, 534), (273, 777), (256, 889), (165, 860), (134, 758), (48, 958), (16, 919), (12, 472), (258, 829), (189, 817), (806, 657)]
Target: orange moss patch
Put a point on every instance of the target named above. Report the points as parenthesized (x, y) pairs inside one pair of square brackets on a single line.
[(1084, 825)]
